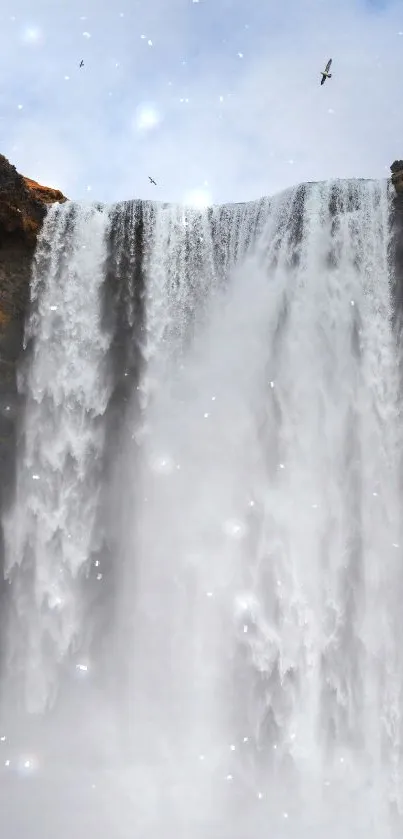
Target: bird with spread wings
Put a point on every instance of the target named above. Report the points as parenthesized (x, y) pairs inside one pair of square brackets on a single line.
[(325, 73)]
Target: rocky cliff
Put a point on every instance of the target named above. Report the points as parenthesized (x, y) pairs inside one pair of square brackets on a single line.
[(23, 204)]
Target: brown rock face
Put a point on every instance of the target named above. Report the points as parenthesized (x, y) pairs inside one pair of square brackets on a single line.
[(23, 205)]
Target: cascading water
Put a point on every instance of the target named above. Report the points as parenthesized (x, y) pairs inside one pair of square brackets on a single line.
[(50, 532), (253, 642)]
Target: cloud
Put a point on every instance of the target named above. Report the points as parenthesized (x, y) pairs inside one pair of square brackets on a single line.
[(214, 95)]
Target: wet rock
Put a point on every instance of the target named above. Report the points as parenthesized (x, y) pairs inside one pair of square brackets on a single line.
[(397, 175)]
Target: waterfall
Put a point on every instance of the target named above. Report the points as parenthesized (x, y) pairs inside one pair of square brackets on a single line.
[(49, 534), (212, 438)]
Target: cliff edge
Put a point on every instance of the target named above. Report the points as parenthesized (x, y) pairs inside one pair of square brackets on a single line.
[(23, 204)]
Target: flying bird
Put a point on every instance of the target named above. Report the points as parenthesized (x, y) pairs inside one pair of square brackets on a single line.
[(81, 63), (325, 74), (152, 181)]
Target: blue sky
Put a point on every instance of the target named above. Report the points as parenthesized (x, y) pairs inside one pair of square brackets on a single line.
[(216, 99)]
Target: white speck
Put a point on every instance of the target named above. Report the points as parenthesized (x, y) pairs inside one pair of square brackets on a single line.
[(201, 757), (206, 416), (291, 162), (150, 43), (84, 17), (143, 37), (86, 35), (330, 111), (3, 738), (89, 188), (27, 764), (233, 748), (245, 628), (246, 739), (56, 601), (93, 786), (35, 478), (99, 577), (395, 545), (97, 563), (8, 408), (352, 303), (213, 398), (400, 33), (32, 35), (82, 667), (221, 99), (375, 494), (20, 107), (209, 594), (285, 815), (342, 760), (229, 777), (121, 14), (251, 504), (67, 78), (271, 384), (234, 528), (7, 763), (147, 117), (314, 506), (260, 795), (163, 465), (281, 466), (240, 54)]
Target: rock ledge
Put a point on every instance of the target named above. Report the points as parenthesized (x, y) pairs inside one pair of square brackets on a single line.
[(23, 204)]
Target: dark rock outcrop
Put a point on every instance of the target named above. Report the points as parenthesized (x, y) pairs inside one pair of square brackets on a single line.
[(23, 205), (397, 175)]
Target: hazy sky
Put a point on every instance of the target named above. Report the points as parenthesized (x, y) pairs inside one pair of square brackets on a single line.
[(214, 96)]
